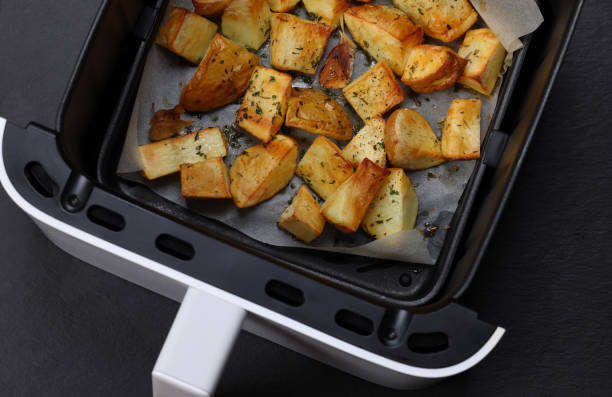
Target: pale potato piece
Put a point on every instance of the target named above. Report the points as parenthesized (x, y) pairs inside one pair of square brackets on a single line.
[(205, 179), (347, 206), (303, 217), (165, 157), (410, 142), (375, 92), (485, 57), (247, 22), (369, 143), (313, 111), (323, 167), (337, 70), (210, 8), (461, 133), (394, 207), (445, 20), (186, 34), (263, 170), (384, 32), (328, 12), (432, 68), (297, 44), (282, 5), (265, 103), (221, 77)]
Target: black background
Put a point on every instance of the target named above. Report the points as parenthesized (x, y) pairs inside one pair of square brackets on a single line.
[(69, 329)]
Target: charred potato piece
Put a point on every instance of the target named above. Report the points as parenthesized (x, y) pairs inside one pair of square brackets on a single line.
[(165, 157), (328, 12), (303, 217), (221, 78), (282, 5), (384, 32), (313, 111), (297, 44), (394, 208), (445, 20), (166, 123), (209, 8), (368, 143), (323, 167), (265, 103), (247, 22), (461, 132), (485, 56), (410, 142), (338, 67), (432, 68), (205, 179), (347, 206), (263, 170), (187, 34), (375, 92)]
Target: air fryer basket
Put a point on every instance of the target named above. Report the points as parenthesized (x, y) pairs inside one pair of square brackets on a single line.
[(375, 304)]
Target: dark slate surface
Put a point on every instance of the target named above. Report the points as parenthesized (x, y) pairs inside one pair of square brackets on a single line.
[(68, 329)]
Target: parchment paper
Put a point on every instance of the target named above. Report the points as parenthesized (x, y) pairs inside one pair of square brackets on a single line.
[(439, 189)]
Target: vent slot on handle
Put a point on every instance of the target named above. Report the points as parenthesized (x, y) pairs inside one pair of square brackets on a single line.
[(433, 342), (40, 180), (106, 218), (354, 322), (285, 293), (175, 246)]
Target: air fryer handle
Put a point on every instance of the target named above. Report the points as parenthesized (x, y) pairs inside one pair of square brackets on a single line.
[(197, 346)]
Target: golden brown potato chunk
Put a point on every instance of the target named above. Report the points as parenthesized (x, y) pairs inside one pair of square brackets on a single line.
[(186, 34), (328, 12), (265, 103), (221, 78), (375, 92), (313, 111), (323, 167), (205, 179), (461, 133), (369, 143), (428, 65), (394, 207), (347, 206), (247, 22), (485, 57), (165, 157), (337, 70), (410, 142), (210, 8), (303, 217), (282, 5), (263, 170), (166, 123), (297, 44), (445, 20), (384, 32)]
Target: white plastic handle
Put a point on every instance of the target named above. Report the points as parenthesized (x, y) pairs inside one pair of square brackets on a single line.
[(197, 346)]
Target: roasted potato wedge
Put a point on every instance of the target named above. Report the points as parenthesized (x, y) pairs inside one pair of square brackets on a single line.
[(461, 132), (209, 8), (303, 217), (485, 57), (369, 143), (166, 123), (282, 5), (375, 92), (432, 68), (247, 22), (410, 142), (221, 78), (394, 207), (265, 103), (186, 34), (205, 179), (347, 206), (313, 111), (297, 44), (165, 157), (384, 32), (337, 69), (328, 12), (323, 167), (263, 170), (445, 20)]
